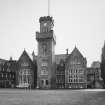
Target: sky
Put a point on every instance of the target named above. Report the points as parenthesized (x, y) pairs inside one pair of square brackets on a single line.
[(78, 23)]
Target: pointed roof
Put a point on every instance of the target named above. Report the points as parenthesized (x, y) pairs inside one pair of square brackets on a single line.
[(76, 52), (34, 57), (24, 56)]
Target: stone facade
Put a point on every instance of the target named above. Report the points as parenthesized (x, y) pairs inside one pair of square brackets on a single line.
[(47, 70), (94, 79), (25, 72), (103, 64), (8, 74), (60, 75), (46, 55), (75, 70)]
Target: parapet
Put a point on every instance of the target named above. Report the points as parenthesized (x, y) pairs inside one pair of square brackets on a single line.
[(45, 18)]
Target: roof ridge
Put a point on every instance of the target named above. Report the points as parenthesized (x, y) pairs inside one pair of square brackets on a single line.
[(25, 53)]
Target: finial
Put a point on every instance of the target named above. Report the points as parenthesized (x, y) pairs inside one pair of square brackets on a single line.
[(33, 55)]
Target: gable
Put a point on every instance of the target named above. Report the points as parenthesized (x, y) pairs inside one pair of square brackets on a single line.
[(75, 58), (25, 59), (76, 53)]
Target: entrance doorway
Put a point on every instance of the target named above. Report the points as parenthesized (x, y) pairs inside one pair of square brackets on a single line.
[(44, 83)]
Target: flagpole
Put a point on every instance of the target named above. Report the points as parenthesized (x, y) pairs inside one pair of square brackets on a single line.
[(48, 7)]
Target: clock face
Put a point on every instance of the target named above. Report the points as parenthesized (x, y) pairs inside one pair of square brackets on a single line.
[(45, 24)]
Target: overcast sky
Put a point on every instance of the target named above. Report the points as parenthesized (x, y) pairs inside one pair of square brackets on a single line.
[(77, 22)]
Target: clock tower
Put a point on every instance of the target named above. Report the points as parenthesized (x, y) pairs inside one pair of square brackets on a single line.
[(46, 56)]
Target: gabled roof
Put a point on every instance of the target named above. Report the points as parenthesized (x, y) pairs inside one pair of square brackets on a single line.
[(24, 57), (75, 53)]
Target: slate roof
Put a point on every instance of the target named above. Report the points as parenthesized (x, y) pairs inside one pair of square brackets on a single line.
[(59, 57), (24, 56), (74, 53), (2, 61)]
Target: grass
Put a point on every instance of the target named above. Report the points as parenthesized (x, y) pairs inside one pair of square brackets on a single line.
[(51, 97)]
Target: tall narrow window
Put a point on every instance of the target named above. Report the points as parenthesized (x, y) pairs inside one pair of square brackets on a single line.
[(42, 82), (46, 82)]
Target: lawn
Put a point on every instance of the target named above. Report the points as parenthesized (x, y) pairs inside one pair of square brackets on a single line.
[(51, 97)]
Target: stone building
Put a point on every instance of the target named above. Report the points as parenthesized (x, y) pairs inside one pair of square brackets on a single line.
[(25, 72), (2, 61), (46, 54), (94, 79), (47, 70), (103, 64), (75, 70), (8, 74), (60, 75), (95, 64), (59, 57)]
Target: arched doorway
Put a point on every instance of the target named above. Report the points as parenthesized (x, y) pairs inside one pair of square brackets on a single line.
[(44, 83)]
